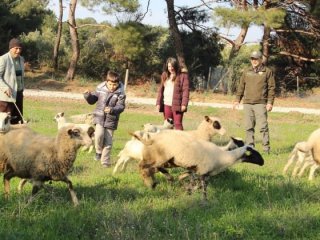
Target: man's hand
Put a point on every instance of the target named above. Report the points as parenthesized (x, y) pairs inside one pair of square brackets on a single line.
[(8, 92), (269, 107), (235, 105), (183, 108), (107, 110)]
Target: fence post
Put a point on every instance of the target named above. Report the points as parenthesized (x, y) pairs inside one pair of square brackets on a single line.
[(126, 79)]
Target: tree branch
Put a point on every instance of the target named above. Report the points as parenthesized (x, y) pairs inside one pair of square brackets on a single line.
[(299, 57), (296, 31)]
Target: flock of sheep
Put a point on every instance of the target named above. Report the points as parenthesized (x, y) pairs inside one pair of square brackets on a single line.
[(157, 148)]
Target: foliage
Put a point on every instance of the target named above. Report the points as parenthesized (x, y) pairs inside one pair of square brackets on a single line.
[(112, 6), (245, 202), (201, 52), (19, 17), (230, 17)]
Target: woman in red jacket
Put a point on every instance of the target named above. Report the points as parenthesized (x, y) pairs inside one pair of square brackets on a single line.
[(173, 93)]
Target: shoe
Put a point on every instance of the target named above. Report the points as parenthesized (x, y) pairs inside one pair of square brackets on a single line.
[(97, 157), (267, 151), (106, 165)]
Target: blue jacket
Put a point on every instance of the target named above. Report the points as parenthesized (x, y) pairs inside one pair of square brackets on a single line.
[(104, 98)]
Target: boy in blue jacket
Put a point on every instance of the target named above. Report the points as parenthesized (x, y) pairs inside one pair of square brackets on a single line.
[(110, 99)]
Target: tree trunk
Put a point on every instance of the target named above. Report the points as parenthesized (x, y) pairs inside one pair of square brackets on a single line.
[(58, 38), (266, 37), (173, 27), (238, 42), (74, 41)]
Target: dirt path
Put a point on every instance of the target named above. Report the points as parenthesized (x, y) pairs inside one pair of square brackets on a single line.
[(151, 101)]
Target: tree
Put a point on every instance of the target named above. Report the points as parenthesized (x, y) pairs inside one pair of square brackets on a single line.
[(19, 17), (173, 27), (74, 40), (58, 37)]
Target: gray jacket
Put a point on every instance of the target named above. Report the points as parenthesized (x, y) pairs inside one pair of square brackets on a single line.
[(8, 77), (104, 98)]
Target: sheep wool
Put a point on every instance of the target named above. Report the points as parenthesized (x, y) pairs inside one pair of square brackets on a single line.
[(29, 155)]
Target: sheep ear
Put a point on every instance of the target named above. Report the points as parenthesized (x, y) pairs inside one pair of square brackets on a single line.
[(90, 131), (75, 132), (216, 125)]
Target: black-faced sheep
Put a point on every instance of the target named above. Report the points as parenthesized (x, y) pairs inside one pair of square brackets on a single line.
[(179, 149), (39, 158), (132, 150), (62, 122)]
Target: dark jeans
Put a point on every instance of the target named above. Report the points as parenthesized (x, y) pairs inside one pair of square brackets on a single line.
[(10, 107)]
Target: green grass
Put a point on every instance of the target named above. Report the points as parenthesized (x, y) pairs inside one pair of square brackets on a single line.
[(245, 202)]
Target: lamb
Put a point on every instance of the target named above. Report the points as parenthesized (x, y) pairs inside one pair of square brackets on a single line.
[(304, 159), (179, 149), (62, 122), (29, 155), (209, 127), (5, 122), (86, 118), (133, 148), (167, 124)]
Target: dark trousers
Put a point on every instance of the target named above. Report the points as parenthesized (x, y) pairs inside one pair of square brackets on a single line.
[(176, 116), (10, 107)]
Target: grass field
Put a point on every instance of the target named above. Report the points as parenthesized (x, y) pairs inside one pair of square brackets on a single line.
[(245, 202)]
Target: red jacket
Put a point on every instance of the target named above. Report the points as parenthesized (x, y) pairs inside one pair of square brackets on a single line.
[(180, 92)]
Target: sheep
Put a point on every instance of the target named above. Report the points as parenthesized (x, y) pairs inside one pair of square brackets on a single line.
[(32, 156), (132, 151), (167, 124), (179, 149), (133, 148), (304, 159), (86, 118), (62, 122), (312, 145), (209, 127), (5, 122)]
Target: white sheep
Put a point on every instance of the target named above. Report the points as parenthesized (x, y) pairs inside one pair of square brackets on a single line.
[(32, 156), (4, 122), (132, 150), (179, 149), (86, 118), (62, 122), (303, 161), (167, 124)]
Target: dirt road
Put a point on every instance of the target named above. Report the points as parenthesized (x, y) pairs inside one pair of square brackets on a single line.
[(151, 101)]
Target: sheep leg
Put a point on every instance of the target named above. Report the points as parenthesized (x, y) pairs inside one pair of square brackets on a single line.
[(6, 188), (21, 184), (6, 177), (292, 158), (313, 168), (299, 162), (148, 177), (304, 167), (72, 192), (204, 187), (121, 162), (184, 175), (166, 174)]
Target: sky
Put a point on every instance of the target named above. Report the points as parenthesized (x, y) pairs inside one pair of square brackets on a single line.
[(157, 15)]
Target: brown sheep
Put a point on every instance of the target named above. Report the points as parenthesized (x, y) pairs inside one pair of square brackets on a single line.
[(32, 156)]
